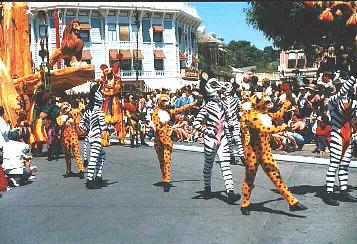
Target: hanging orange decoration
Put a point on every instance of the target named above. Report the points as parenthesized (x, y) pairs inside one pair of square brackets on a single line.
[(309, 3), (326, 15), (352, 20), (338, 12)]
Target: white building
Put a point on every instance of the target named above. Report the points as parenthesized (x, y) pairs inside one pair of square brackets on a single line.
[(167, 38)]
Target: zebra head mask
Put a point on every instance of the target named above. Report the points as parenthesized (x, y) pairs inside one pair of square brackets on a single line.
[(96, 97), (209, 87)]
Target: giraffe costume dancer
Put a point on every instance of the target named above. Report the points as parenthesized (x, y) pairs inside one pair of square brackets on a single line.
[(163, 143), (257, 128), (69, 137), (214, 115)]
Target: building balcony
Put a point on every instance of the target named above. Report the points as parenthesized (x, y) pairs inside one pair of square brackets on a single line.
[(189, 74), (131, 74)]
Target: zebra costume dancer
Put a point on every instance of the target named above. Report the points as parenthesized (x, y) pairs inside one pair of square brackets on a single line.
[(85, 151), (232, 105), (93, 121), (215, 135), (342, 109)]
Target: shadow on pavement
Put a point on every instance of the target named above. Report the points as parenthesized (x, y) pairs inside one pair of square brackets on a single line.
[(161, 184), (320, 191), (105, 183), (259, 207), (177, 181), (218, 195)]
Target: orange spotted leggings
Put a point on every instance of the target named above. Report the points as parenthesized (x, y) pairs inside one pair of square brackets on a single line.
[(270, 167), (68, 143), (164, 150)]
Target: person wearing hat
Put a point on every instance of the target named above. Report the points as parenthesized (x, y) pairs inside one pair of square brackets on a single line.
[(66, 120)]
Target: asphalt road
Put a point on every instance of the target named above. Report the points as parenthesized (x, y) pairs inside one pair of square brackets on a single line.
[(133, 208)]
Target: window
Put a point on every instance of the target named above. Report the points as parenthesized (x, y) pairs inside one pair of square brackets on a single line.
[(84, 34), (146, 15), (52, 23), (95, 14), (70, 13), (157, 16), (146, 31), (139, 63), (82, 13), (168, 16), (112, 32), (111, 13), (125, 64), (159, 64), (157, 36), (124, 14), (167, 24), (68, 20), (300, 63), (124, 33), (182, 64), (42, 30), (291, 63)]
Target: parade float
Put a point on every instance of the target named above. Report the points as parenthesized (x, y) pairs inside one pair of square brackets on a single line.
[(17, 75)]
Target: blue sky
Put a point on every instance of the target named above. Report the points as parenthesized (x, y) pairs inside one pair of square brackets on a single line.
[(227, 19)]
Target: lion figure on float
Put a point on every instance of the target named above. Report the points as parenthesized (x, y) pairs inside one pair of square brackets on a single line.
[(71, 46)]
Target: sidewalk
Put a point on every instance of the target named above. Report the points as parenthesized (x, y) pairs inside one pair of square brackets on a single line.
[(303, 156)]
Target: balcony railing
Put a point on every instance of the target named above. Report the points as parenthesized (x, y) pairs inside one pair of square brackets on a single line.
[(189, 73), (132, 73)]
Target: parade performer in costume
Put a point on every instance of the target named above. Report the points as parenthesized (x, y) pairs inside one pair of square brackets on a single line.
[(163, 143), (343, 108), (131, 112), (111, 86), (213, 114), (69, 136), (257, 127), (93, 122), (37, 117), (232, 104), (53, 130)]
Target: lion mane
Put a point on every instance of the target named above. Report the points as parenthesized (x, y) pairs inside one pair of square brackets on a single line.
[(71, 46)]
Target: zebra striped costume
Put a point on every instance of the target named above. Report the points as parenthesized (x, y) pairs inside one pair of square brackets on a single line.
[(215, 134), (342, 109), (93, 121), (232, 105)]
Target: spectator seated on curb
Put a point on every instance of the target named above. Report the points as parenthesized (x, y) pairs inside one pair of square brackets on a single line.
[(15, 160), (323, 135)]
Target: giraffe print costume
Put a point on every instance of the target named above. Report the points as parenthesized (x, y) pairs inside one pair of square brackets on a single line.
[(163, 143), (257, 129), (70, 138)]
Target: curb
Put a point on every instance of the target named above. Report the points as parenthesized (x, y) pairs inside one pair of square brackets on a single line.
[(278, 157)]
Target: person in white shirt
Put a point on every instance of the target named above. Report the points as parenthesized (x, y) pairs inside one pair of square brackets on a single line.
[(14, 156)]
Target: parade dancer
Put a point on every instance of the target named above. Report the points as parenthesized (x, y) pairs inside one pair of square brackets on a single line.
[(232, 104), (213, 114), (257, 127), (93, 122), (70, 137), (342, 109), (163, 143), (112, 107)]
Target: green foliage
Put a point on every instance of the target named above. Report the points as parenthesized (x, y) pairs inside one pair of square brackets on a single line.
[(243, 53), (292, 24)]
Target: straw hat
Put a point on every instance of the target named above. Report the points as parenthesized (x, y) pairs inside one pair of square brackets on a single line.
[(312, 87)]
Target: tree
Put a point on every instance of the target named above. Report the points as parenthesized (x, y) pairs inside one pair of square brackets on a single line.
[(292, 24)]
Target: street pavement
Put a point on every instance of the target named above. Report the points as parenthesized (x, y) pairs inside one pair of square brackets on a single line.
[(133, 208)]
